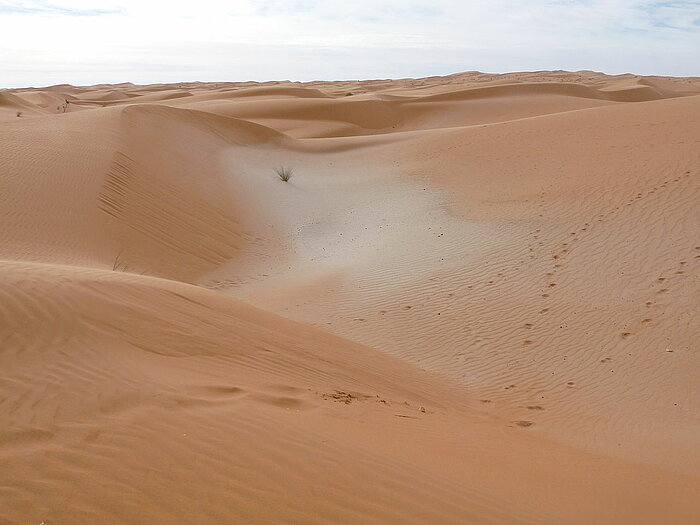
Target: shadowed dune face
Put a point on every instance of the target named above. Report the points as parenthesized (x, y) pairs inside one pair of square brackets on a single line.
[(471, 286)]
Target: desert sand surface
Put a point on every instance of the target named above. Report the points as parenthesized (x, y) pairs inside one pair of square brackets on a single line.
[(475, 301)]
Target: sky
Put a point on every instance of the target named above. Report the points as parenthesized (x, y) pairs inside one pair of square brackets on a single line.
[(85, 42)]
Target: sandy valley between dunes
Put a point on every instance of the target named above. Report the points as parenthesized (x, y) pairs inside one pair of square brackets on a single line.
[(475, 301)]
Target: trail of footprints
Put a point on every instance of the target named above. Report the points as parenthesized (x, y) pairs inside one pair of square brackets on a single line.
[(537, 249), (565, 248), (661, 284), (288, 397)]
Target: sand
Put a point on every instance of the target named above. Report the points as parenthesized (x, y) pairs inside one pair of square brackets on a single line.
[(475, 301)]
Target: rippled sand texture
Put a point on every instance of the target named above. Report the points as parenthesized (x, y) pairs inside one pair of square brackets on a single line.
[(475, 301)]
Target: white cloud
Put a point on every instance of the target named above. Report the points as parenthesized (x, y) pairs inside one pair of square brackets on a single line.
[(80, 41)]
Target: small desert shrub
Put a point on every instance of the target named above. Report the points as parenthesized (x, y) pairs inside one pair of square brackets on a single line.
[(284, 173), (19, 113), (119, 265)]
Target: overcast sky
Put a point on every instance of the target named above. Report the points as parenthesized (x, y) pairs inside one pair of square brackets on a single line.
[(144, 41)]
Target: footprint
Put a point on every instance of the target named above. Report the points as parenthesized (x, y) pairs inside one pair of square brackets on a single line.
[(282, 402), (284, 389), (340, 396), (217, 391)]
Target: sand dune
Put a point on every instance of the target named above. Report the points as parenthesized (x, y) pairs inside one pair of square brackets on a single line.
[(475, 301)]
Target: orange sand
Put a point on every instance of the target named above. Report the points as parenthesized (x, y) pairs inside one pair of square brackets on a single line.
[(476, 301)]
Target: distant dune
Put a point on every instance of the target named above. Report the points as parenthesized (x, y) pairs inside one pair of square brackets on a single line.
[(475, 301)]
